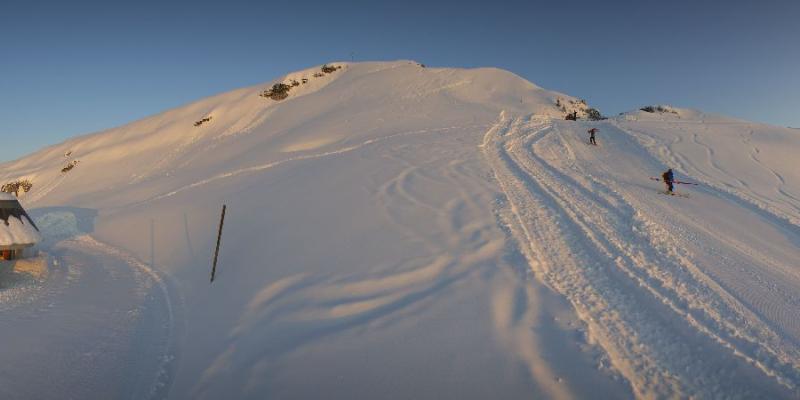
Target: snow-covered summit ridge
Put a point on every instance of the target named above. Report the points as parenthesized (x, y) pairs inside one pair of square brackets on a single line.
[(666, 113), (356, 103)]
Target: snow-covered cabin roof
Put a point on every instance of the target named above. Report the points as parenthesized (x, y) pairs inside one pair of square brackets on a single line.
[(16, 227)]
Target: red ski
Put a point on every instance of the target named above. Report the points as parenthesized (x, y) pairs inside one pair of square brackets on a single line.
[(676, 181)]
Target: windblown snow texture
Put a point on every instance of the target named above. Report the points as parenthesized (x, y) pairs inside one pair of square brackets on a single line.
[(409, 232)]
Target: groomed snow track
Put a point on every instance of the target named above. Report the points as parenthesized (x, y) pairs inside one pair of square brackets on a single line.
[(641, 281)]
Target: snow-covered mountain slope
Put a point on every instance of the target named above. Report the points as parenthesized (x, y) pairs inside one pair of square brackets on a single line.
[(395, 231), (349, 107), (752, 161), (685, 295)]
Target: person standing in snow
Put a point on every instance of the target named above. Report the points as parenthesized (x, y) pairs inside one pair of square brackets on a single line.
[(591, 136), (669, 180)]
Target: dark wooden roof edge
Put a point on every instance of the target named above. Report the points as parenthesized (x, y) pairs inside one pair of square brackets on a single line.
[(12, 208)]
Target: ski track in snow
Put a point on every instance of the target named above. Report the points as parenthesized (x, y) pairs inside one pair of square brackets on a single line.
[(263, 167), (113, 340), (160, 385), (52, 185), (347, 302), (645, 299), (741, 191)]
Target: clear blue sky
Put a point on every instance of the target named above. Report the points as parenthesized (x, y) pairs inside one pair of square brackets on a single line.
[(74, 67)]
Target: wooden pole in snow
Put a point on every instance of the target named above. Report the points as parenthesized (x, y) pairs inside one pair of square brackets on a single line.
[(219, 240)]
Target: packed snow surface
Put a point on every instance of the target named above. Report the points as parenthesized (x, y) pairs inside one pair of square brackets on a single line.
[(395, 231)]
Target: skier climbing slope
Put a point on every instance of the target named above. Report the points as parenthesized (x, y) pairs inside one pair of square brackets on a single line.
[(591, 136), (668, 178)]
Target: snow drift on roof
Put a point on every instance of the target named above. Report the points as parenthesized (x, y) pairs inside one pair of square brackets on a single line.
[(16, 227)]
